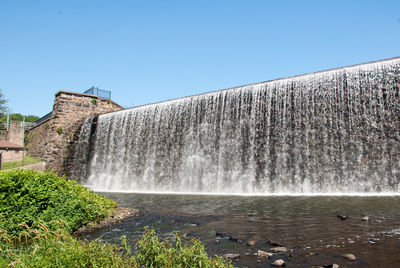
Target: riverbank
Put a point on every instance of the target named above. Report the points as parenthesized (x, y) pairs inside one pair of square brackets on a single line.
[(119, 214)]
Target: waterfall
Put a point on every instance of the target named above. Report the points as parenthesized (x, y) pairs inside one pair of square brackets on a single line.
[(335, 131)]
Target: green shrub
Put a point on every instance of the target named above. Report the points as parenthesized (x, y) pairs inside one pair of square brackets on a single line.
[(60, 249), (94, 100), (59, 130), (153, 253), (33, 197)]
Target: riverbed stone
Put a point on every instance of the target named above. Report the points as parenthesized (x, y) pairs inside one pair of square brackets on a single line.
[(231, 256), (264, 254), (349, 256), (251, 243), (278, 263), (366, 218), (279, 249)]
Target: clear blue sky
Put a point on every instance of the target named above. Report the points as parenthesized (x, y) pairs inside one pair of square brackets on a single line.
[(149, 51)]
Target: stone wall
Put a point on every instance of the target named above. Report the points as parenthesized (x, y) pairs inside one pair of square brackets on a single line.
[(51, 140)]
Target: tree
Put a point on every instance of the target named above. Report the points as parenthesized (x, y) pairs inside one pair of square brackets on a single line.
[(3, 106)]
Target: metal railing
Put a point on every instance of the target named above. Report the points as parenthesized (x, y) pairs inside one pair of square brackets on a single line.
[(101, 93)]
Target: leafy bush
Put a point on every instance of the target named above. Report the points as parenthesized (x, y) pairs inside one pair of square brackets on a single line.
[(153, 253), (32, 197), (59, 130), (60, 249)]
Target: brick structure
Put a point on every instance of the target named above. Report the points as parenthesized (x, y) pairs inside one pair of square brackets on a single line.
[(51, 140)]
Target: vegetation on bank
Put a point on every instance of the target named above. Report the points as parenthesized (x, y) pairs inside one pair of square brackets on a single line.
[(39, 211), (35, 198), (60, 249), (28, 160)]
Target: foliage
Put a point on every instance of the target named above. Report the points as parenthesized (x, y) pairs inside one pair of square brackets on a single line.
[(59, 130), (3, 107), (27, 139), (60, 249), (39, 210), (153, 253), (33, 197), (28, 160), (94, 100), (19, 117)]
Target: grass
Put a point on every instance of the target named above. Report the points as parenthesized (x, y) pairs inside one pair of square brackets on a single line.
[(28, 160)]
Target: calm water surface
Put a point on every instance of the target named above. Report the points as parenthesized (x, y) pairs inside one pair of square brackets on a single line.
[(307, 224)]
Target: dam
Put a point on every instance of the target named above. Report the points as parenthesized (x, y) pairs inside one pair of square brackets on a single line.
[(330, 132)]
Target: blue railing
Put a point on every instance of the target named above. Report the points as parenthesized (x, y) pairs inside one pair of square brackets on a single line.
[(101, 93)]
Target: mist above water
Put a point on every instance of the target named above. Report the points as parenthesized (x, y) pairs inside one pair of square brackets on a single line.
[(331, 132)]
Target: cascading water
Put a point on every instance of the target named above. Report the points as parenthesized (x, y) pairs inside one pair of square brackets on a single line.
[(335, 131)]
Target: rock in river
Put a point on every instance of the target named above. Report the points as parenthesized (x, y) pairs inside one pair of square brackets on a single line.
[(279, 263), (231, 256), (279, 249), (264, 254), (251, 243), (350, 257)]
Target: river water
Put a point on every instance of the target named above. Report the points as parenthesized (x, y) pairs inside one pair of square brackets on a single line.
[(307, 224)]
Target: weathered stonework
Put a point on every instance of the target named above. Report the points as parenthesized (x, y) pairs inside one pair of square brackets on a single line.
[(51, 139)]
